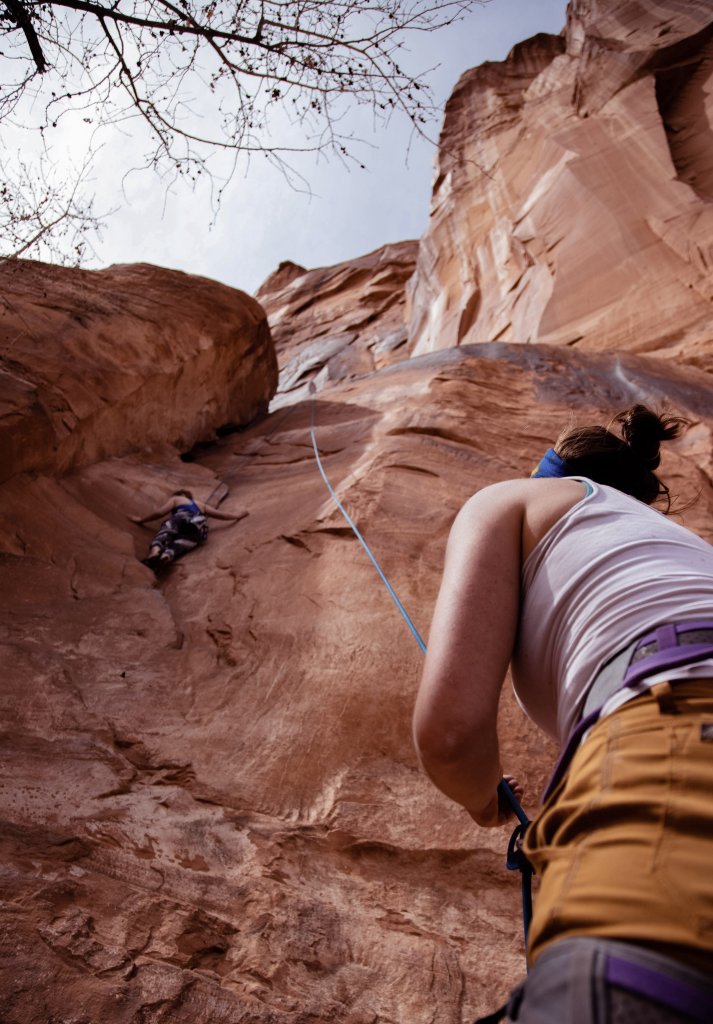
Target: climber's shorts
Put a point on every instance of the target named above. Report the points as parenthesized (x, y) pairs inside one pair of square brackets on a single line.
[(623, 847), (600, 981), (180, 533)]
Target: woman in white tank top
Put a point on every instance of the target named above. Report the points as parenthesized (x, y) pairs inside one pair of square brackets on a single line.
[(570, 577)]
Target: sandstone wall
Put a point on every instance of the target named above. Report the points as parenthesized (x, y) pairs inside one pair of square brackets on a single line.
[(337, 322), (210, 807), (572, 199), (95, 363)]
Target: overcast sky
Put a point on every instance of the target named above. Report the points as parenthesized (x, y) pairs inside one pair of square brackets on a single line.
[(351, 212)]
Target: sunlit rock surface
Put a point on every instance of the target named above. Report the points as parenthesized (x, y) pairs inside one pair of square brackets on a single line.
[(210, 808), (96, 363), (572, 200), (336, 322)]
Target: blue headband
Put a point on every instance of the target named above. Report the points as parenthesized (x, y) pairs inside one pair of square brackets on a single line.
[(551, 465)]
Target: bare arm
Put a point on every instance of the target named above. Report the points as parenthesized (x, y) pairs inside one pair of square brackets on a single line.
[(470, 645), (165, 510), (217, 514)]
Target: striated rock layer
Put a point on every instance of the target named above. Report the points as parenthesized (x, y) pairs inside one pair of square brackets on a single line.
[(95, 363), (336, 322), (572, 199)]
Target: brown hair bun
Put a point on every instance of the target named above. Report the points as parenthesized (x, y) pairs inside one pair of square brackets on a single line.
[(626, 462), (644, 430)]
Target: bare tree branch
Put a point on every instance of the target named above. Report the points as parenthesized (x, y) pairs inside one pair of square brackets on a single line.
[(22, 19), (44, 213), (183, 24), (211, 77)]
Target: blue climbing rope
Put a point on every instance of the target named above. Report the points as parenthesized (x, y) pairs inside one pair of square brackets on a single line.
[(366, 547), (516, 859)]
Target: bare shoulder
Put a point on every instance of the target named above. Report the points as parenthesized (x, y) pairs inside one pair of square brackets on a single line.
[(524, 508), (525, 494)]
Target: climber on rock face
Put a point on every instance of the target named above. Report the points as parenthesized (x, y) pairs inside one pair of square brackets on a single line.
[(185, 528), (603, 608)]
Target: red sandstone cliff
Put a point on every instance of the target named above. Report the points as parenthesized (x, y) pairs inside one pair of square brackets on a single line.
[(336, 322), (96, 363), (572, 200), (210, 809)]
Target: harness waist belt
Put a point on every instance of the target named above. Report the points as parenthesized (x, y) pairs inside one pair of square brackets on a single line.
[(670, 646), (651, 645)]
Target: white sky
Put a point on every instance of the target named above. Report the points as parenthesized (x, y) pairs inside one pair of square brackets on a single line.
[(351, 212)]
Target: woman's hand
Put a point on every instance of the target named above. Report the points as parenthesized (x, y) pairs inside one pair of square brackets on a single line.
[(498, 811)]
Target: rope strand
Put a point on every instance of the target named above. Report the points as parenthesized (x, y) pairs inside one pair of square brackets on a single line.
[(515, 857)]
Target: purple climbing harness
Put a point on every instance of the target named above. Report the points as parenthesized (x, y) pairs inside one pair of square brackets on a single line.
[(669, 646)]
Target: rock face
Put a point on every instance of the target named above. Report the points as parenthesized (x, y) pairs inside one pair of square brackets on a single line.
[(572, 201), (96, 363), (336, 322), (210, 807)]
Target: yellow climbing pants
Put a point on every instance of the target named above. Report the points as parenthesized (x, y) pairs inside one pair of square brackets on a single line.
[(623, 847)]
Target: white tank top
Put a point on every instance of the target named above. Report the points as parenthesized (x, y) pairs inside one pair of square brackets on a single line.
[(610, 570)]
